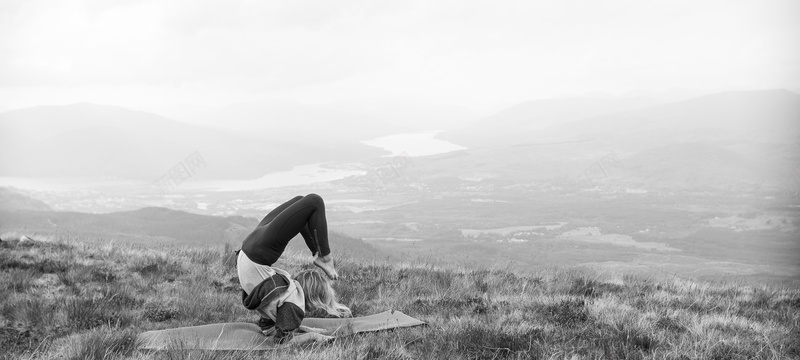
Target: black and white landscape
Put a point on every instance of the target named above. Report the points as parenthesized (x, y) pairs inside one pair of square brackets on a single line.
[(533, 179)]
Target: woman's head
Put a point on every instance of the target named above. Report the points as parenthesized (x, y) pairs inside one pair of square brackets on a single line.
[(319, 294)]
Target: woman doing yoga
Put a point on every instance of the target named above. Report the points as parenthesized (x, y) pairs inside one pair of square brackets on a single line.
[(281, 300)]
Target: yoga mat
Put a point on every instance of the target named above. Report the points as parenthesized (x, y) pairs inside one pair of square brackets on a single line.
[(247, 336)]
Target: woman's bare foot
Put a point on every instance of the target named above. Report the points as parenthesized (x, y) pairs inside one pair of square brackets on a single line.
[(326, 264)]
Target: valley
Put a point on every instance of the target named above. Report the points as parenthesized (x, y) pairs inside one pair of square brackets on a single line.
[(525, 227), (704, 188)]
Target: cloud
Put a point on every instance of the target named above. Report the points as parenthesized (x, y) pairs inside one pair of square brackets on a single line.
[(239, 44), (451, 51)]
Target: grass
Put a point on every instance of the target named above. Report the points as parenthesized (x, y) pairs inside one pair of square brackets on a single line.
[(65, 298)]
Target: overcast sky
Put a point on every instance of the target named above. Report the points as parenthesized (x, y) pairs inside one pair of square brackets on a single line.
[(470, 53)]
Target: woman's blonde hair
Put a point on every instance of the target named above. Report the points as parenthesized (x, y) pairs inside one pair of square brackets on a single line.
[(320, 295)]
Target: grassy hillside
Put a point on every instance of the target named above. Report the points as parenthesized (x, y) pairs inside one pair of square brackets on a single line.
[(68, 298)]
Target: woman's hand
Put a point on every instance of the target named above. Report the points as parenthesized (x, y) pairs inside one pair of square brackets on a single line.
[(268, 331)]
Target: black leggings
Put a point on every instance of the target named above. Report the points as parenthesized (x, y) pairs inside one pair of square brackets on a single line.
[(302, 214)]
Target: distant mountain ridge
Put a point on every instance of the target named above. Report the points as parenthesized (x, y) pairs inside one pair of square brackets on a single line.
[(158, 226), (724, 141), (351, 121), (145, 226), (572, 119), (278, 120), (14, 201), (770, 115), (83, 140), (523, 120), (757, 133), (149, 226)]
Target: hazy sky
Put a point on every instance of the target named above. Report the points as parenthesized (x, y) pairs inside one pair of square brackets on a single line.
[(471, 53)]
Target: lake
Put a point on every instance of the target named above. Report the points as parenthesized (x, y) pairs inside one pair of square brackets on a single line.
[(412, 144), (299, 175)]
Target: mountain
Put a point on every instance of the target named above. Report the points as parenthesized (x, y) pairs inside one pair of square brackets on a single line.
[(86, 140), (742, 140), (519, 123), (749, 116), (331, 124), (14, 201), (283, 119), (157, 226), (144, 226)]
